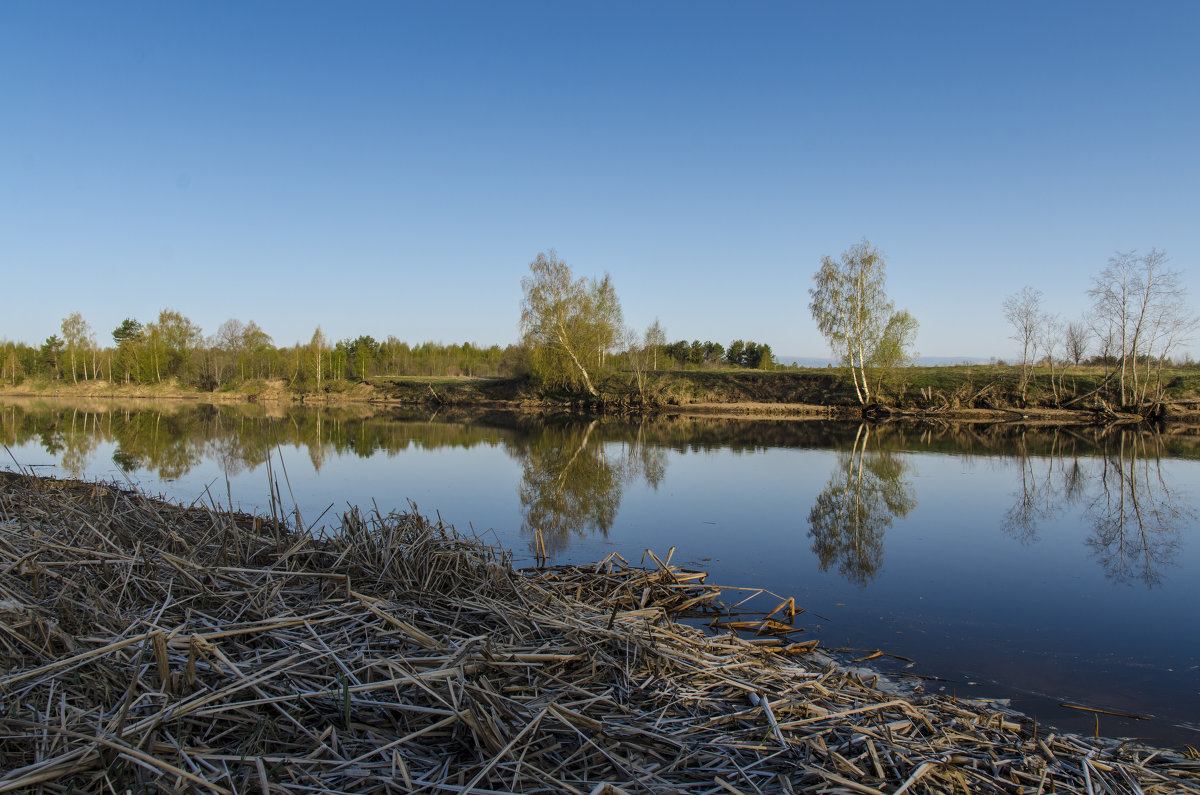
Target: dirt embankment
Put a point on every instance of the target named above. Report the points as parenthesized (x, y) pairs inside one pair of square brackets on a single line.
[(981, 394)]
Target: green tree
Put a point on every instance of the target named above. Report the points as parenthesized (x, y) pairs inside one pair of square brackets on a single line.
[(654, 340), (254, 349), (11, 366), (852, 310), (129, 329), (75, 334), (51, 349), (564, 319), (895, 348), (127, 336), (361, 353), (736, 352), (607, 318), (317, 346), (173, 339)]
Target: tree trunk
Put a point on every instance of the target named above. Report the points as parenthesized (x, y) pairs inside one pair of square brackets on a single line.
[(587, 382)]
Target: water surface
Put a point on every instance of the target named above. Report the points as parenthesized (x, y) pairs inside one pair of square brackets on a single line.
[(1041, 566)]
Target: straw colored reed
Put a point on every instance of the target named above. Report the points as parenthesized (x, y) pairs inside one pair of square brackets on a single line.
[(146, 646)]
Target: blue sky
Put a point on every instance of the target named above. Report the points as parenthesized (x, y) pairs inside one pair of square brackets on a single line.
[(392, 168)]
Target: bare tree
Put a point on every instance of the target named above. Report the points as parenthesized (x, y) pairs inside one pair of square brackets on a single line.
[(1076, 338), (1142, 306), (1023, 311), (1050, 338)]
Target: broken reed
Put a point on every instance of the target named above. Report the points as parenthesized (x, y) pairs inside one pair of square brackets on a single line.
[(145, 645)]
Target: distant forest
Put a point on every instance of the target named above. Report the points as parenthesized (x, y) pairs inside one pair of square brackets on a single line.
[(174, 348)]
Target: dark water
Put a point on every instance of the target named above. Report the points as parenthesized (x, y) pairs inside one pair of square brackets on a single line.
[(1041, 566)]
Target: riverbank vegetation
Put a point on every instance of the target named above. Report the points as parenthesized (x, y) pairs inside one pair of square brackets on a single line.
[(195, 648), (1118, 362)]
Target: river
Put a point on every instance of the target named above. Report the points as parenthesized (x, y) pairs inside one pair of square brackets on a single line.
[(1040, 566)]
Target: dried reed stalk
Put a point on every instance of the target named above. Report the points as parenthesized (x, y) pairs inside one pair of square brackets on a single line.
[(149, 646)]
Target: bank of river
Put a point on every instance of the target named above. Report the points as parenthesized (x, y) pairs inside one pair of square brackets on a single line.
[(719, 397), (150, 644)]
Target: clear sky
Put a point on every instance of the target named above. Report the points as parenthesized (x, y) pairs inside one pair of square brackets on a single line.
[(392, 168)]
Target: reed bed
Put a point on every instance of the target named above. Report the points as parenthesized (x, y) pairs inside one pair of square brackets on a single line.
[(146, 646)]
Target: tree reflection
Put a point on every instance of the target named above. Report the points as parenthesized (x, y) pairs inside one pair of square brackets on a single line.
[(572, 479), (79, 443), (866, 492), (1136, 516), (1049, 483)]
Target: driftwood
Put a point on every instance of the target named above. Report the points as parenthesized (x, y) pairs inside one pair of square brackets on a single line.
[(146, 646)]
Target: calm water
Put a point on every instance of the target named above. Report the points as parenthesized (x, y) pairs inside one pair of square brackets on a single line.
[(1039, 566)]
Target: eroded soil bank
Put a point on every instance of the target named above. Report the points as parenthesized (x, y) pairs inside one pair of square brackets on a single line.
[(937, 395)]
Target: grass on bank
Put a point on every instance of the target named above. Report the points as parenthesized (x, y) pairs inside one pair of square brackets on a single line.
[(959, 386)]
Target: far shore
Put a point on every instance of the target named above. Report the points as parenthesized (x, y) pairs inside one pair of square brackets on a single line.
[(710, 394)]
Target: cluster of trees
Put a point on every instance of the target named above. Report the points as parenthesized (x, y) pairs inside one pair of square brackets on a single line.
[(573, 329), (740, 353), (1139, 316), (173, 347)]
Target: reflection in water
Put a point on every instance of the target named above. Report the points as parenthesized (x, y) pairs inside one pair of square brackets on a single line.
[(1137, 518), (1110, 500), (571, 480), (1044, 493), (574, 473), (866, 491)]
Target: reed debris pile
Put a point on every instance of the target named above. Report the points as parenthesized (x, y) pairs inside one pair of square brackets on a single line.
[(148, 646)]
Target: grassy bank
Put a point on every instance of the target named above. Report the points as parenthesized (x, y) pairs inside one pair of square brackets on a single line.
[(965, 391), (148, 645)]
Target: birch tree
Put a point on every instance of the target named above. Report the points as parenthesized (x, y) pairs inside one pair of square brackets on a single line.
[(1023, 311), (854, 314), (654, 339), (75, 332), (565, 320), (607, 319), (318, 343), (1142, 305)]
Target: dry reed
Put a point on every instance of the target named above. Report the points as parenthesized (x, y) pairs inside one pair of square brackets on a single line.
[(147, 646)]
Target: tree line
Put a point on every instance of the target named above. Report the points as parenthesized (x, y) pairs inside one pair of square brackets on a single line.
[(571, 328), (740, 353), (573, 337), (172, 347)]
